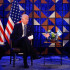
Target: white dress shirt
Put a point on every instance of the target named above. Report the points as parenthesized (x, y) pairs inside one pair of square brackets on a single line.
[(23, 29), (29, 37)]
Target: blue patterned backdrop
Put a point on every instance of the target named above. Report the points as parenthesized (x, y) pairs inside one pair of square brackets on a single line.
[(44, 15)]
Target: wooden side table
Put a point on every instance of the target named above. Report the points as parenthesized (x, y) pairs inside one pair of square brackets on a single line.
[(56, 42)]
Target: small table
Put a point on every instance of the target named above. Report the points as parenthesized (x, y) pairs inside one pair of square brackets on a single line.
[(53, 42), (56, 42)]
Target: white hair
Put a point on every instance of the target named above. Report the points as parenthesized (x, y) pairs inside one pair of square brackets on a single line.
[(24, 15)]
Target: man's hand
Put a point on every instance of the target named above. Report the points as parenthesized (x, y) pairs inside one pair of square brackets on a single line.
[(30, 37), (47, 35)]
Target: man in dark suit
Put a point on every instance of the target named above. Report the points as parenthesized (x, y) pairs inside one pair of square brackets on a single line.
[(21, 36)]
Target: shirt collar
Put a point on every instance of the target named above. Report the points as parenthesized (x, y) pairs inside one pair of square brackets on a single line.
[(22, 24)]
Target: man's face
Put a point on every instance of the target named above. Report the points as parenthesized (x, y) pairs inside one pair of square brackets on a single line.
[(25, 19)]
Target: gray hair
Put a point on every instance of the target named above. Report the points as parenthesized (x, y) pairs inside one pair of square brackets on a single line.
[(24, 15)]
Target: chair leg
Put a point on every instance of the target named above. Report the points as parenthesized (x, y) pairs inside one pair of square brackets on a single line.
[(23, 58), (10, 58), (14, 60), (31, 61)]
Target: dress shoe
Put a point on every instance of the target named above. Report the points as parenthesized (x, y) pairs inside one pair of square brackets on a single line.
[(0, 57), (36, 57), (69, 56), (26, 66)]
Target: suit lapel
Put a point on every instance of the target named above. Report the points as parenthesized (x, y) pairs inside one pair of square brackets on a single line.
[(20, 29)]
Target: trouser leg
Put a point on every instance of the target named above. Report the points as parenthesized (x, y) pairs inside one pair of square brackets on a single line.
[(25, 59)]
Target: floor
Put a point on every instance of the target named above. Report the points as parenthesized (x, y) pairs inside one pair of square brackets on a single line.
[(50, 63)]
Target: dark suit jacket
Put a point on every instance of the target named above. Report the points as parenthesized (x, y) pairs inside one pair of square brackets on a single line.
[(16, 36), (18, 31)]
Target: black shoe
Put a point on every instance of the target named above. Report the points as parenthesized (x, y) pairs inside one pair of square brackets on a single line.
[(36, 57), (0, 57), (69, 56), (26, 66)]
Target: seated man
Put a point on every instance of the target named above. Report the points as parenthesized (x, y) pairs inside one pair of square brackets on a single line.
[(21, 36)]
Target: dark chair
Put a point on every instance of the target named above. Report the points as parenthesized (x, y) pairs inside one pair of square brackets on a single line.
[(14, 51)]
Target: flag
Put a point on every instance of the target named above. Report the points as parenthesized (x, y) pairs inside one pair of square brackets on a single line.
[(14, 17), (1, 33), (59, 32)]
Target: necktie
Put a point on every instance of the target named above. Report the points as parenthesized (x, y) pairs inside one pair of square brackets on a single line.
[(25, 27)]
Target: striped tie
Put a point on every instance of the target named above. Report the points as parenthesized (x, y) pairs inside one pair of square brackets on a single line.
[(25, 27)]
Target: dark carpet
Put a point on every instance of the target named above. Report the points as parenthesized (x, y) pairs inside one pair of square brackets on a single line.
[(49, 63)]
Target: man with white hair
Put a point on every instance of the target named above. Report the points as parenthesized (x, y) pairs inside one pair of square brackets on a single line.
[(21, 36)]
